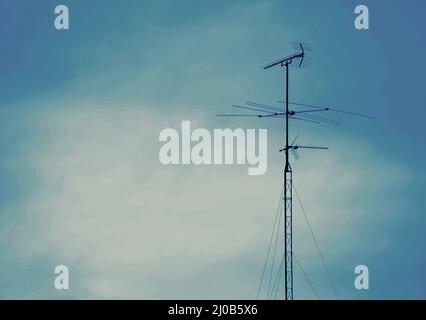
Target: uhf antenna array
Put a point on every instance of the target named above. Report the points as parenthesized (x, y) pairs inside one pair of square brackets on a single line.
[(309, 113)]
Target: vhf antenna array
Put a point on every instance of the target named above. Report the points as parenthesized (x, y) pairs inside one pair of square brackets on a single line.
[(308, 114)]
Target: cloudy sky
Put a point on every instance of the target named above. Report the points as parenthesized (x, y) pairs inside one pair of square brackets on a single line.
[(80, 179)]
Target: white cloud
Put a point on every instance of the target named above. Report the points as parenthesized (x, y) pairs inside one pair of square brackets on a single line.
[(107, 205)]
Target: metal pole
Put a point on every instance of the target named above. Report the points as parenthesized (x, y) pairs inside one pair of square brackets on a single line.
[(285, 181), (288, 217), (286, 115)]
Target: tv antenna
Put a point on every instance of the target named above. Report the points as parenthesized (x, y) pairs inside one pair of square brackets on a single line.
[(309, 113)]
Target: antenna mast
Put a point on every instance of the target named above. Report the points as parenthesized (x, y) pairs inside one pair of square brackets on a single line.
[(288, 182), (288, 212), (307, 114)]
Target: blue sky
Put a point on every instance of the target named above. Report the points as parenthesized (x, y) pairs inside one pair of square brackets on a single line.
[(80, 114)]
